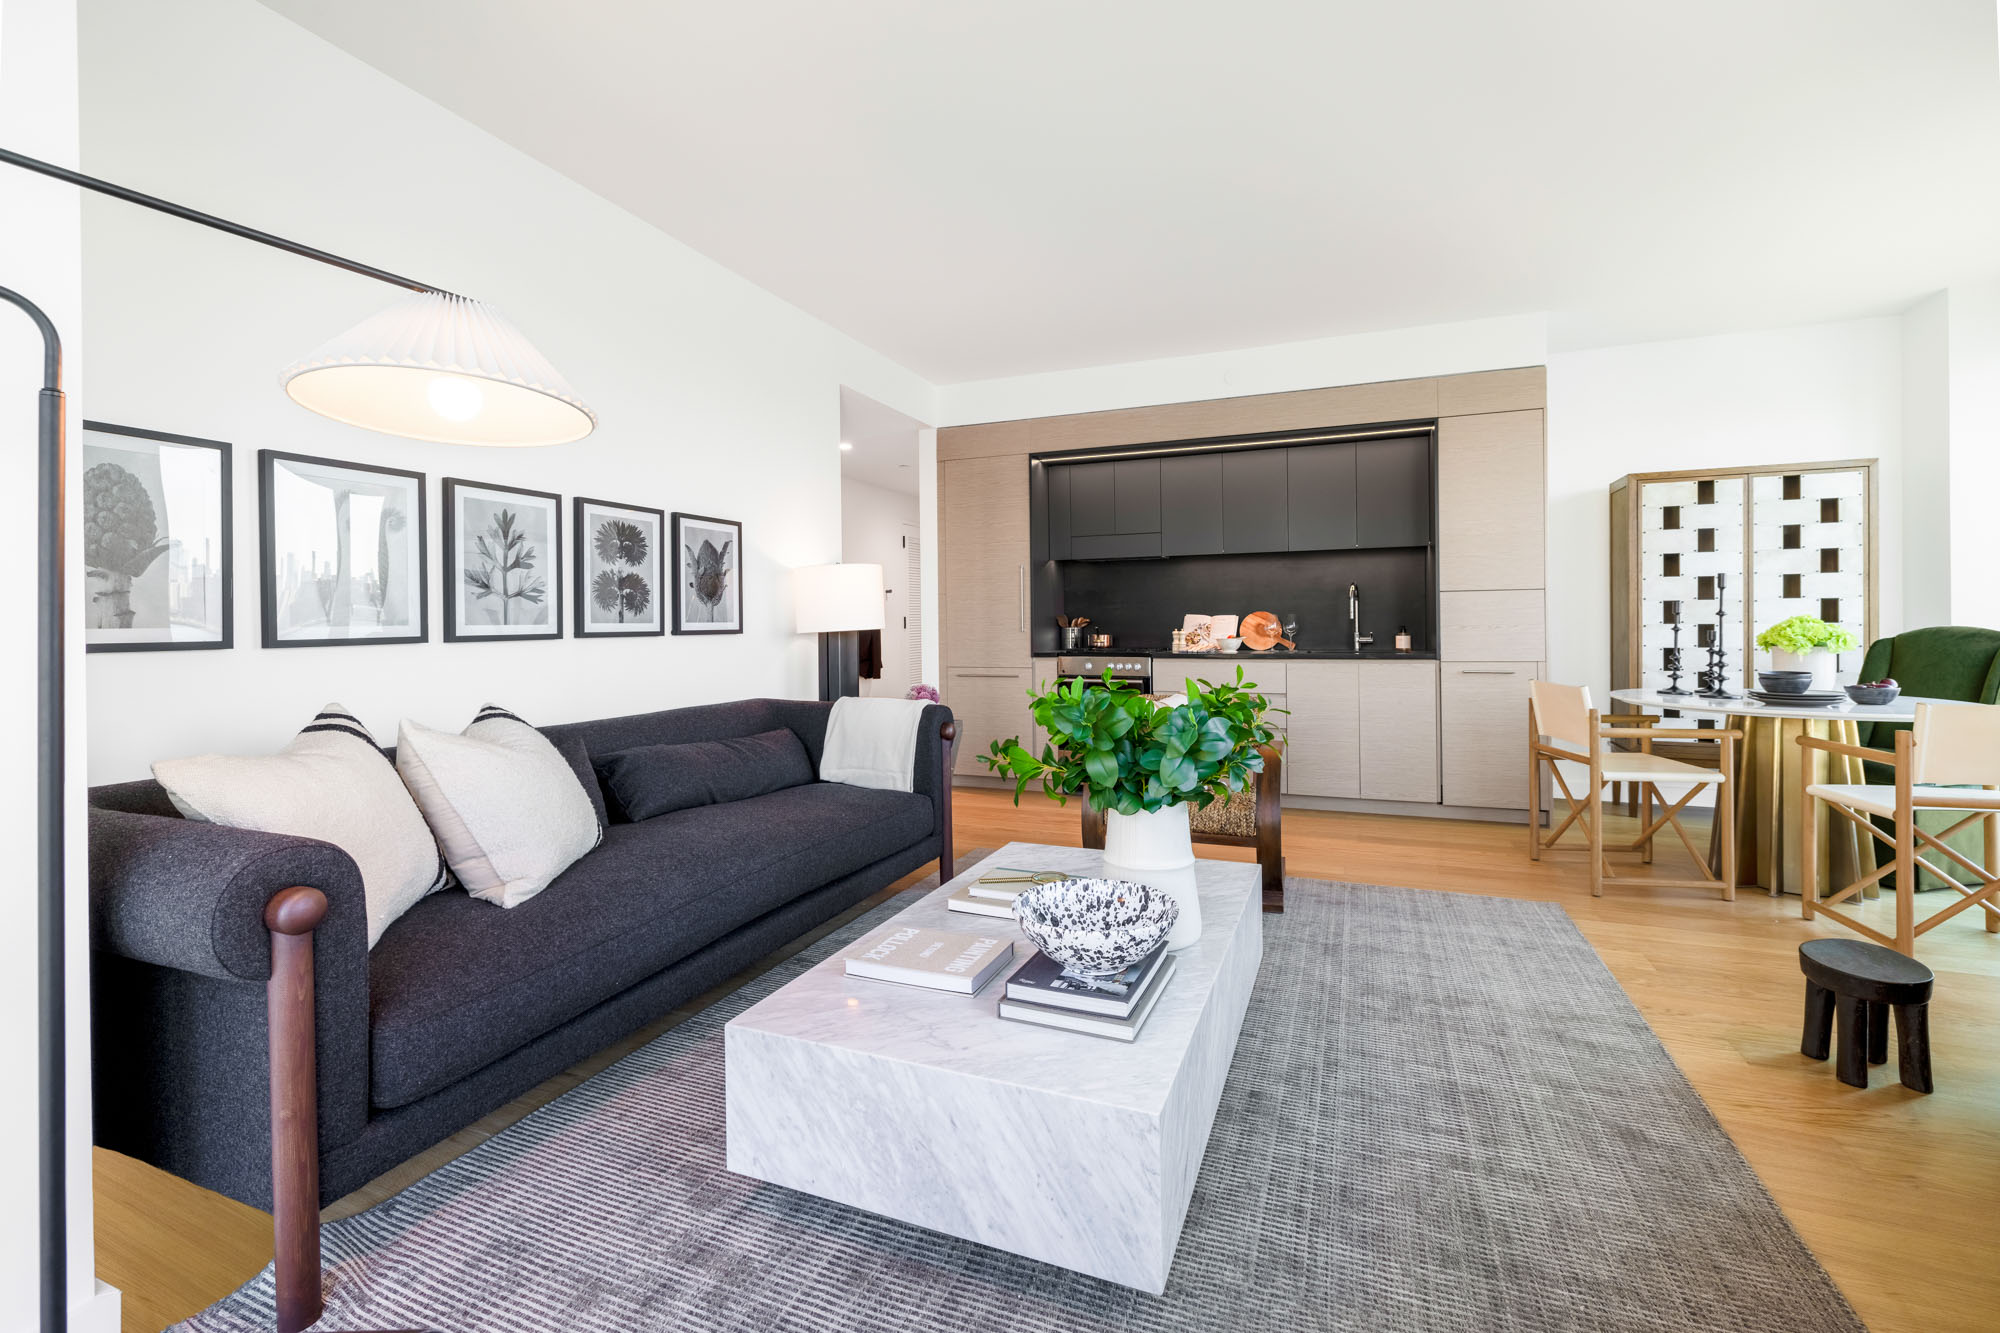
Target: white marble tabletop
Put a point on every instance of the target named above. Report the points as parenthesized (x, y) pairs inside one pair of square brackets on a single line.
[(961, 1033), (1903, 708)]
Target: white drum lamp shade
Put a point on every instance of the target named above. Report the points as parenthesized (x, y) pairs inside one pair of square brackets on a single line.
[(441, 368), (833, 599)]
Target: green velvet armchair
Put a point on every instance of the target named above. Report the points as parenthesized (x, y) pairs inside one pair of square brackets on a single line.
[(1943, 662)]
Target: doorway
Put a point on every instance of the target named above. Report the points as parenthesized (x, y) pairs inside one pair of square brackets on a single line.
[(879, 525)]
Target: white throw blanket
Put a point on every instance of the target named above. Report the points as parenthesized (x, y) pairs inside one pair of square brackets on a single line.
[(873, 743)]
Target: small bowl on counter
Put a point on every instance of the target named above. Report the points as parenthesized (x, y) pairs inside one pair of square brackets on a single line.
[(1873, 694), (1785, 682), (1228, 645)]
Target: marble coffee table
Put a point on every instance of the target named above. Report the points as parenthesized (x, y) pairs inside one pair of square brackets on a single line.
[(930, 1108)]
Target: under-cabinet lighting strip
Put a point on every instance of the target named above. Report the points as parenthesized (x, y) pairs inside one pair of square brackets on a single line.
[(1259, 442)]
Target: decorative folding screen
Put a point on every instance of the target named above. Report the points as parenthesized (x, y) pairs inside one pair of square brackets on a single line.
[(1779, 541)]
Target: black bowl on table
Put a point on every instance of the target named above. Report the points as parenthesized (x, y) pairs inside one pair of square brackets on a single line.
[(1873, 694), (1785, 682)]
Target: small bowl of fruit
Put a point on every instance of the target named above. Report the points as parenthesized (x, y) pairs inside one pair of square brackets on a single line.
[(1874, 691)]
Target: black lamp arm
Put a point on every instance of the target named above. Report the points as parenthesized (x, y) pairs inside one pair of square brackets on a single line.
[(54, 1102)]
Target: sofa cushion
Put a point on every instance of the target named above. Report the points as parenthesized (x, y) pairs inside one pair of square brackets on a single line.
[(651, 780), (455, 985)]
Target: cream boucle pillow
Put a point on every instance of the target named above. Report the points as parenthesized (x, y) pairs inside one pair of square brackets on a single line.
[(332, 783), (505, 805)]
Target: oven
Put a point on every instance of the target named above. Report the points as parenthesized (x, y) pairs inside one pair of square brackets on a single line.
[(1125, 668)]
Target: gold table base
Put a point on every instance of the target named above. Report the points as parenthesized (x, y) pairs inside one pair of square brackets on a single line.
[(1767, 796)]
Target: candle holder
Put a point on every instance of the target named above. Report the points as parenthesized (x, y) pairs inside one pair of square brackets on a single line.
[(1714, 681), (1674, 662)]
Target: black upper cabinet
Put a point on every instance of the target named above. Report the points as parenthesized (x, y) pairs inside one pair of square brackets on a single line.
[(1137, 491), (1191, 504), (1093, 499), (1254, 509), (1393, 479), (1320, 496), (1058, 515)]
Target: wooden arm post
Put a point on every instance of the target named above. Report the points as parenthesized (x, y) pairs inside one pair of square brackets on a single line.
[(1270, 828), (292, 916), (947, 863)]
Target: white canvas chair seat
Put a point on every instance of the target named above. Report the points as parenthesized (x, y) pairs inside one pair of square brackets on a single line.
[(1948, 760), (1879, 798), (1563, 728)]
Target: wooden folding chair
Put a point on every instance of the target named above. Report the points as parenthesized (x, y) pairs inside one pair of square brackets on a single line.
[(1562, 726), (1948, 760)]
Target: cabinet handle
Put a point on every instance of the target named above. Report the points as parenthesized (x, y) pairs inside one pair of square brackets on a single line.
[(1021, 598), (1468, 671), (987, 675)]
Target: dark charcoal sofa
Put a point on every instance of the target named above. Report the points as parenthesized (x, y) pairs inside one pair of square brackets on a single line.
[(461, 1005)]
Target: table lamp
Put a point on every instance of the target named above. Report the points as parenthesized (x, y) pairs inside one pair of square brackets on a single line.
[(837, 602)]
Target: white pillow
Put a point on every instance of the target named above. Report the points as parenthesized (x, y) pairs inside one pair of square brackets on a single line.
[(505, 805), (332, 783)]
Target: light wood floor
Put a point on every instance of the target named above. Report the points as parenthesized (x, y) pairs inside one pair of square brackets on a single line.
[(1896, 1193)]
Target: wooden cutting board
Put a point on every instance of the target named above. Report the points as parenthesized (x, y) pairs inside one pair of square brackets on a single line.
[(1261, 631)]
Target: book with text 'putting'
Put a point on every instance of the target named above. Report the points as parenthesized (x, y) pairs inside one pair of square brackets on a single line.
[(937, 959)]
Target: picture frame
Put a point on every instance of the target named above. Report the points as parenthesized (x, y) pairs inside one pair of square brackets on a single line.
[(618, 567), (159, 566), (503, 563), (340, 561), (708, 575)]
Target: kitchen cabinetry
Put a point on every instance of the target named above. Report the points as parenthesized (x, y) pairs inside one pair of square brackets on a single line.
[(990, 703), (1393, 480), (1491, 502), (1399, 731), (1254, 507), (1484, 711), (1320, 496), (1190, 518), (1113, 509), (1506, 625), (1323, 749), (983, 522)]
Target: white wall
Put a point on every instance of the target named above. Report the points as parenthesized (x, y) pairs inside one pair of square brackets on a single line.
[(871, 533), (1973, 354), (1393, 354), (1800, 395), (1927, 504), (40, 257), (714, 396)]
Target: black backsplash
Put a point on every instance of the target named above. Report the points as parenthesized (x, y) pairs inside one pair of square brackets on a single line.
[(1141, 602)]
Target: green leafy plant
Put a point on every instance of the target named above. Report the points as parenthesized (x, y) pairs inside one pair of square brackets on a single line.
[(1802, 634), (1130, 753)]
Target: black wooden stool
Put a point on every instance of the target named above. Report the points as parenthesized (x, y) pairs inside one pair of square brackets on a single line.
[(1862, 982)]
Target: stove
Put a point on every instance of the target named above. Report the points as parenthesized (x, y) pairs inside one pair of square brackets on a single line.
[(1126, 668)]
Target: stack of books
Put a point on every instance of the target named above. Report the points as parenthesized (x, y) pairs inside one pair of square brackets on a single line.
[(935, 959), (994, 892), (1116, 1006)]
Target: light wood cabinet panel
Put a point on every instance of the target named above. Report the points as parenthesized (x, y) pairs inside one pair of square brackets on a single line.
[(983, 564), (1399, 731), (1484, 710), (1501, 626), (1303, 409), (1323, 750), (1492, 502), (1521, 389), (990, 704)]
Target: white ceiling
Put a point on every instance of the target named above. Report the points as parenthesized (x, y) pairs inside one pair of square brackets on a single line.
[(1000, 188), (884, 440)]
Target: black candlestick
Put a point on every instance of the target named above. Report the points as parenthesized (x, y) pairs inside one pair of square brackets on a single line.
[(1674, 661), (1715, 680)]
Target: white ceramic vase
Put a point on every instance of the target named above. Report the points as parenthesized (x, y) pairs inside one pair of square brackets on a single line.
[(1819, 661), (1156, 849)]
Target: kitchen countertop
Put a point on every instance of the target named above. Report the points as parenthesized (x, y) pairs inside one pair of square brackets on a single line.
[(1246, 655)]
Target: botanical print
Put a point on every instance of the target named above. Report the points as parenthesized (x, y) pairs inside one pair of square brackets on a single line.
[(708, 567), (343, 552), (155, 540), (619, 561), (502, 548)]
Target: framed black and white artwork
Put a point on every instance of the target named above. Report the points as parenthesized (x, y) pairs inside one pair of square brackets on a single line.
[(708, 575), (340, 552), (502, 562), (156, 555), (618, 567)]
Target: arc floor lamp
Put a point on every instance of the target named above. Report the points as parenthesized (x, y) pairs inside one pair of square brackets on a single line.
[(436, 366)]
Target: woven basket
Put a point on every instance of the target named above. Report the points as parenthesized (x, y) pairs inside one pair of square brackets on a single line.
[(1235, 816)]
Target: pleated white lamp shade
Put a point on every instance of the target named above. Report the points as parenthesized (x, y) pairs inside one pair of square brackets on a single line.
[(440, 368)]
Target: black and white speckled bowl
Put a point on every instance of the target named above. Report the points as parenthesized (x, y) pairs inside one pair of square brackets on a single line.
[(1095, 927)]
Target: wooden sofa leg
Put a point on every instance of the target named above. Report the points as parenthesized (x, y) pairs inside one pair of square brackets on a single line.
[(947, 862), (291, 916)]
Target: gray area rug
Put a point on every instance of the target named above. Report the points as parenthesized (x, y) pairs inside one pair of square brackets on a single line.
[(1443, 1114)]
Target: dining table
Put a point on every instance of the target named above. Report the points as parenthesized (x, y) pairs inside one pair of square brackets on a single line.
[(1766, 782)]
